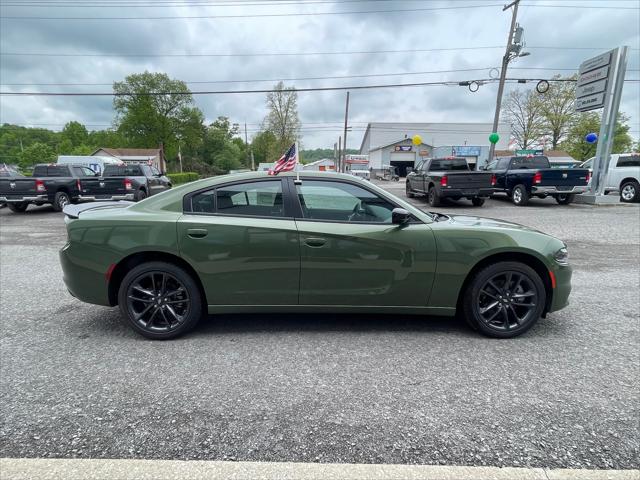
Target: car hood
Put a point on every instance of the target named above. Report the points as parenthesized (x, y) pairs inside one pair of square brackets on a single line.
[(482, 222)]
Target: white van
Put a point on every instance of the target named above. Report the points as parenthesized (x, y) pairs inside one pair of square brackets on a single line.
[(623, 175), (94, 163)]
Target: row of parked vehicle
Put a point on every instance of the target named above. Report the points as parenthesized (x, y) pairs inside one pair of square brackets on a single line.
[(519, 177), (61, 184)]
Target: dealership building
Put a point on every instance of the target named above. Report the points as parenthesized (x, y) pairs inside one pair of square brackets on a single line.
[(390, 144)]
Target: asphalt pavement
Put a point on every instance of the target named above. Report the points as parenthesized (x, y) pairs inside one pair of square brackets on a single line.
[(75, 382)]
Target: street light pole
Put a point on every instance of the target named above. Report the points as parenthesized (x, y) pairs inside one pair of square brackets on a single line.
[(503, 73)]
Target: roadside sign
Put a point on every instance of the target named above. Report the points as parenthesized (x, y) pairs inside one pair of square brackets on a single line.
[(590, 102), (595, 62), (593, 76), (403, 148), (529, 152), (591, 88)]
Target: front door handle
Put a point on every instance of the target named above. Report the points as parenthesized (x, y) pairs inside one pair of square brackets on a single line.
[(315, 242), (197, 232)]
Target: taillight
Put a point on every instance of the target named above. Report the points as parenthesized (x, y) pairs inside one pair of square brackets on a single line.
[(537, 178), (127, 184), (78, 185), (443, 181), (588, 177), (40, 186), (493, 180)]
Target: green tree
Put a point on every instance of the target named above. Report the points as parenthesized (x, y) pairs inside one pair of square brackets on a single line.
[(282, 118), (557, 109), (588, 122), (221, 146), (261, 145), (76, 133), (37, 153), (153, 109)]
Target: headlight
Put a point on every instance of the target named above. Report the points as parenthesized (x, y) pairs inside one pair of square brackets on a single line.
[(562, 256)]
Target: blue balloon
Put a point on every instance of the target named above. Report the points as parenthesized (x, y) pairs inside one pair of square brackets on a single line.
[(591, 138)]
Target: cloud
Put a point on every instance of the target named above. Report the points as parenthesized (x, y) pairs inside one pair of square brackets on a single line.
[(321, 112)]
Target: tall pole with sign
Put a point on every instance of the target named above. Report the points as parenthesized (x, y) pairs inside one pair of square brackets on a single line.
[(600, 82)]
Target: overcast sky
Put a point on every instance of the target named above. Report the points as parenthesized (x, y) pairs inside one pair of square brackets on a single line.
[(110, 41)]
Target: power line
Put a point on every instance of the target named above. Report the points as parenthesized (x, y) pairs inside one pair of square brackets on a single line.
[(175, 3), (271, 90), (284, 54), (258, 15)]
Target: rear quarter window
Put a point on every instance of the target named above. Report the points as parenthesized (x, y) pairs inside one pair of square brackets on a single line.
[(628, 161), (122, 170)]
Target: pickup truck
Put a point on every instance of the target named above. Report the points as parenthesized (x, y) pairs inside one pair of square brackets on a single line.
[(450, 177), (58, 185), (623, 175), (523, 177), (125, 182)]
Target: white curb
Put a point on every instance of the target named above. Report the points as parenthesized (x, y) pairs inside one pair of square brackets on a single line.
[(99, 469)]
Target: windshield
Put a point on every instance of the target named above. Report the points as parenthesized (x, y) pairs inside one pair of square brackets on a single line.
[(357, 166)]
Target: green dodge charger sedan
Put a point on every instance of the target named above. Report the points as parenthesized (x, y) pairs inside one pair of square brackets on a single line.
[(323, 242)]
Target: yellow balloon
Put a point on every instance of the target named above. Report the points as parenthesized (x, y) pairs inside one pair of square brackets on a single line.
[(417, 140)]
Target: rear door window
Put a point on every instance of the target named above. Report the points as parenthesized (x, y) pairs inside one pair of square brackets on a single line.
[(57, 171), (628, 161)]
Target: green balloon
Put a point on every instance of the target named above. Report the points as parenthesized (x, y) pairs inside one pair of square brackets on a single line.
[(494, 137)]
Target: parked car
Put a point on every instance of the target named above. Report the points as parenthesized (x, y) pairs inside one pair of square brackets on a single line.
[(623, 175), (126, 182), (321, 243), (58, 185), (450, 177), (523, 177)]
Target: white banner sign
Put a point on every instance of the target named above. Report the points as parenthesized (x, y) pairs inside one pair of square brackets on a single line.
[(591, 88), (593, 76), (595, 62), (591, 102)]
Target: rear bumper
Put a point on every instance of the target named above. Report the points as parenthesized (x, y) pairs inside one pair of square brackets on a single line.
[(555, 190), (466, 192), (83, 276), (93, 198), (31, 198)]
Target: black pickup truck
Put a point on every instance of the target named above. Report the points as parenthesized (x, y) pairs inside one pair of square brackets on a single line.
[(125, 182), (60, 185), (450, 177), (523, 177)]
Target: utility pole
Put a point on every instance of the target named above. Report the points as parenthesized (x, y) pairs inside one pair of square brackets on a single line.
[(503, 71), (339, 154), (346, 119), (335, 156)]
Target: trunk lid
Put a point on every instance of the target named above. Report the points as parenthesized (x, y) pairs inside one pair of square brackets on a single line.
[(17, 187), (469, 180), (562, 177)]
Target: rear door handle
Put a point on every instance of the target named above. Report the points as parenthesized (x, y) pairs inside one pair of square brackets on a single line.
[(197, 232), (315, 242)]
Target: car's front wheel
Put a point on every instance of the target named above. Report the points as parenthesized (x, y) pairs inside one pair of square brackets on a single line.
[(630, 191), (160, 300), (477, 202), (504, 300), (408, 190)]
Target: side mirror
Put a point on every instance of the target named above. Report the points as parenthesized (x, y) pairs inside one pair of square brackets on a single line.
[(399, 216)]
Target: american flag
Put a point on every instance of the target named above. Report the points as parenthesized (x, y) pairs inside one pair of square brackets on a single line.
[(286, 162)]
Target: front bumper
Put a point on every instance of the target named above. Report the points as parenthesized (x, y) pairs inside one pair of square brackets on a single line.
[(468, 193), (31, 198), (562, 275), (555, 190), (105, 198)]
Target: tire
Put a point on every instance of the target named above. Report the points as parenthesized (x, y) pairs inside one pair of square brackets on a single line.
[(565, 198), (630, 191), (434, 197), (408, 190), (515, 309), (61, 200), (520, 196), (18, 207), (140, 195), (477, 202), (155, 316)]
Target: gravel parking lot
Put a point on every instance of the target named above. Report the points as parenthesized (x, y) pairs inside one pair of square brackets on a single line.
[(76, 382)]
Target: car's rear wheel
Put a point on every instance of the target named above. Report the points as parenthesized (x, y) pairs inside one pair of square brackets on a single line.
[(60, 201), (434, 197), (477, 202), (520, 196), (565, 198), (504, 300), (160, 300), (630, 191), (18, 207), (140, 195)]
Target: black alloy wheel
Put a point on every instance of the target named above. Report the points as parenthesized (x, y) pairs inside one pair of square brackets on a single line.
[(160, 300), (140, 195), (505, 300)]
